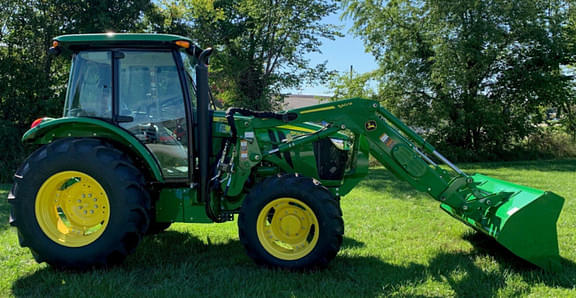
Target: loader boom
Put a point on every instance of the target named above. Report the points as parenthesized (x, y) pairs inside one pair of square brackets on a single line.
[(392, 143), (486, 204)]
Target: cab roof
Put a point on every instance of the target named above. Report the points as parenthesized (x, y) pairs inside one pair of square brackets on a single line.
[(104, 40)]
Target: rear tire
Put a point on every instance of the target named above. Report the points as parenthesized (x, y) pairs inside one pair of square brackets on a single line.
[(79, 203), (291, 222)]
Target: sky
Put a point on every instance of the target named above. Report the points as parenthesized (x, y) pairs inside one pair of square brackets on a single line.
[(340, 54)]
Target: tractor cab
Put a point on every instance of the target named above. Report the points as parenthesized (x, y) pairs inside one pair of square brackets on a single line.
[(144, 85)]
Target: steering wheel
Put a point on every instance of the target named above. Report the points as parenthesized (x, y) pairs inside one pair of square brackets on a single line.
[(163, 104), (170, 101)]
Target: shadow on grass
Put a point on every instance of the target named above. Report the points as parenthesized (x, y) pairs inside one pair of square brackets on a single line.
[(487, 246), (175, 263), (351, 243)]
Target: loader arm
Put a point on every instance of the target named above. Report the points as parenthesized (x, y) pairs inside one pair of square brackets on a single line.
[(392, 143), (522, 219)]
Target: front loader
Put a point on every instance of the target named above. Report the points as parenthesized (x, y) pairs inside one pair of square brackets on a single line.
[(139, 148)]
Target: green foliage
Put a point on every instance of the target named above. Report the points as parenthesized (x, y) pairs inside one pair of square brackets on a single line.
[(260, 44), (566, 110), (551, 142), (352, 85), (474, 73)]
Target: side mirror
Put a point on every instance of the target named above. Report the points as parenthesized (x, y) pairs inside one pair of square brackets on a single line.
[(55, 51)]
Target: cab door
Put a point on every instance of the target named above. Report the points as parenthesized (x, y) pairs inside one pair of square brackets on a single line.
[(150, 104)]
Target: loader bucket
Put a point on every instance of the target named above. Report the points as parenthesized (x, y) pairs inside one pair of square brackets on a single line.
[(525, 223)]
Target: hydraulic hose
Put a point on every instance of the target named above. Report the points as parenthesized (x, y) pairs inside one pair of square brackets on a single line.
[(285, 117)]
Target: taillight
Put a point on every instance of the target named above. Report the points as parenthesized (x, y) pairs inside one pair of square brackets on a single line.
[(36, 122)]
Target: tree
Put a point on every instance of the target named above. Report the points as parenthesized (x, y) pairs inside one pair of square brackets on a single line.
[(260, 44), (353, 84), (474, 72), (568, 107)]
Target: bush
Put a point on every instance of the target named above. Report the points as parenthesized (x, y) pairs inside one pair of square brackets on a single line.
[(13, 151), (548, 143), (552, 144)]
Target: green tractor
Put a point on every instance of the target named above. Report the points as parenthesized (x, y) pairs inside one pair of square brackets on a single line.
[(139, 147)]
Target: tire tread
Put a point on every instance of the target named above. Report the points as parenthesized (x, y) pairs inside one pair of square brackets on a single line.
[(123, 169), (273, 187)]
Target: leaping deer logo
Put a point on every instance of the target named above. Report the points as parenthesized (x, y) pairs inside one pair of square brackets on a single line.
[(370, 125)]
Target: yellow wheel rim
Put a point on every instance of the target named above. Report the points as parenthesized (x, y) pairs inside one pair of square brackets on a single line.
[(287, 228), (72, 208)]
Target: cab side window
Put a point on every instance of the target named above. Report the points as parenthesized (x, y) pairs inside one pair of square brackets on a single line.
[(150, 94)]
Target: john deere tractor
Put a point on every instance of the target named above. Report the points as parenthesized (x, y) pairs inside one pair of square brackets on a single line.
[(139, 147)]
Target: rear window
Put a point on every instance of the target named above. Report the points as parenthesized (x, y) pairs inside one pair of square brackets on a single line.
[(90, 92)]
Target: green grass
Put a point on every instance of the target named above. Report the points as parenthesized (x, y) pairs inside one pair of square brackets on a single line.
[(397, 243)]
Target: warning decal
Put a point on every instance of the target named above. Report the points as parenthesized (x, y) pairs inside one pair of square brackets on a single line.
[(387, 140)]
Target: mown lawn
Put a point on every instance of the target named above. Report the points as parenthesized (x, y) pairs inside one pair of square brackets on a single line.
[(397, 243)]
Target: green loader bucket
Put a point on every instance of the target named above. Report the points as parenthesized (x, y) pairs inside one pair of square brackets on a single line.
[(525, 223)]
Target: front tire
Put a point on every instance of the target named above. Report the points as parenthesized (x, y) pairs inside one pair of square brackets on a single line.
[(79, 203), (291, 222)]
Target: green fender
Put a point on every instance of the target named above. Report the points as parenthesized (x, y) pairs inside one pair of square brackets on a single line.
[(50, 129)]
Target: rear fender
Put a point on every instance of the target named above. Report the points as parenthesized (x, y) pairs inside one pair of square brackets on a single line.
[(78, 127)]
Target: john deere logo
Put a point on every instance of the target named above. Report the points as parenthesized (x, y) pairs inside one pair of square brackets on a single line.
[(370, 125)]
